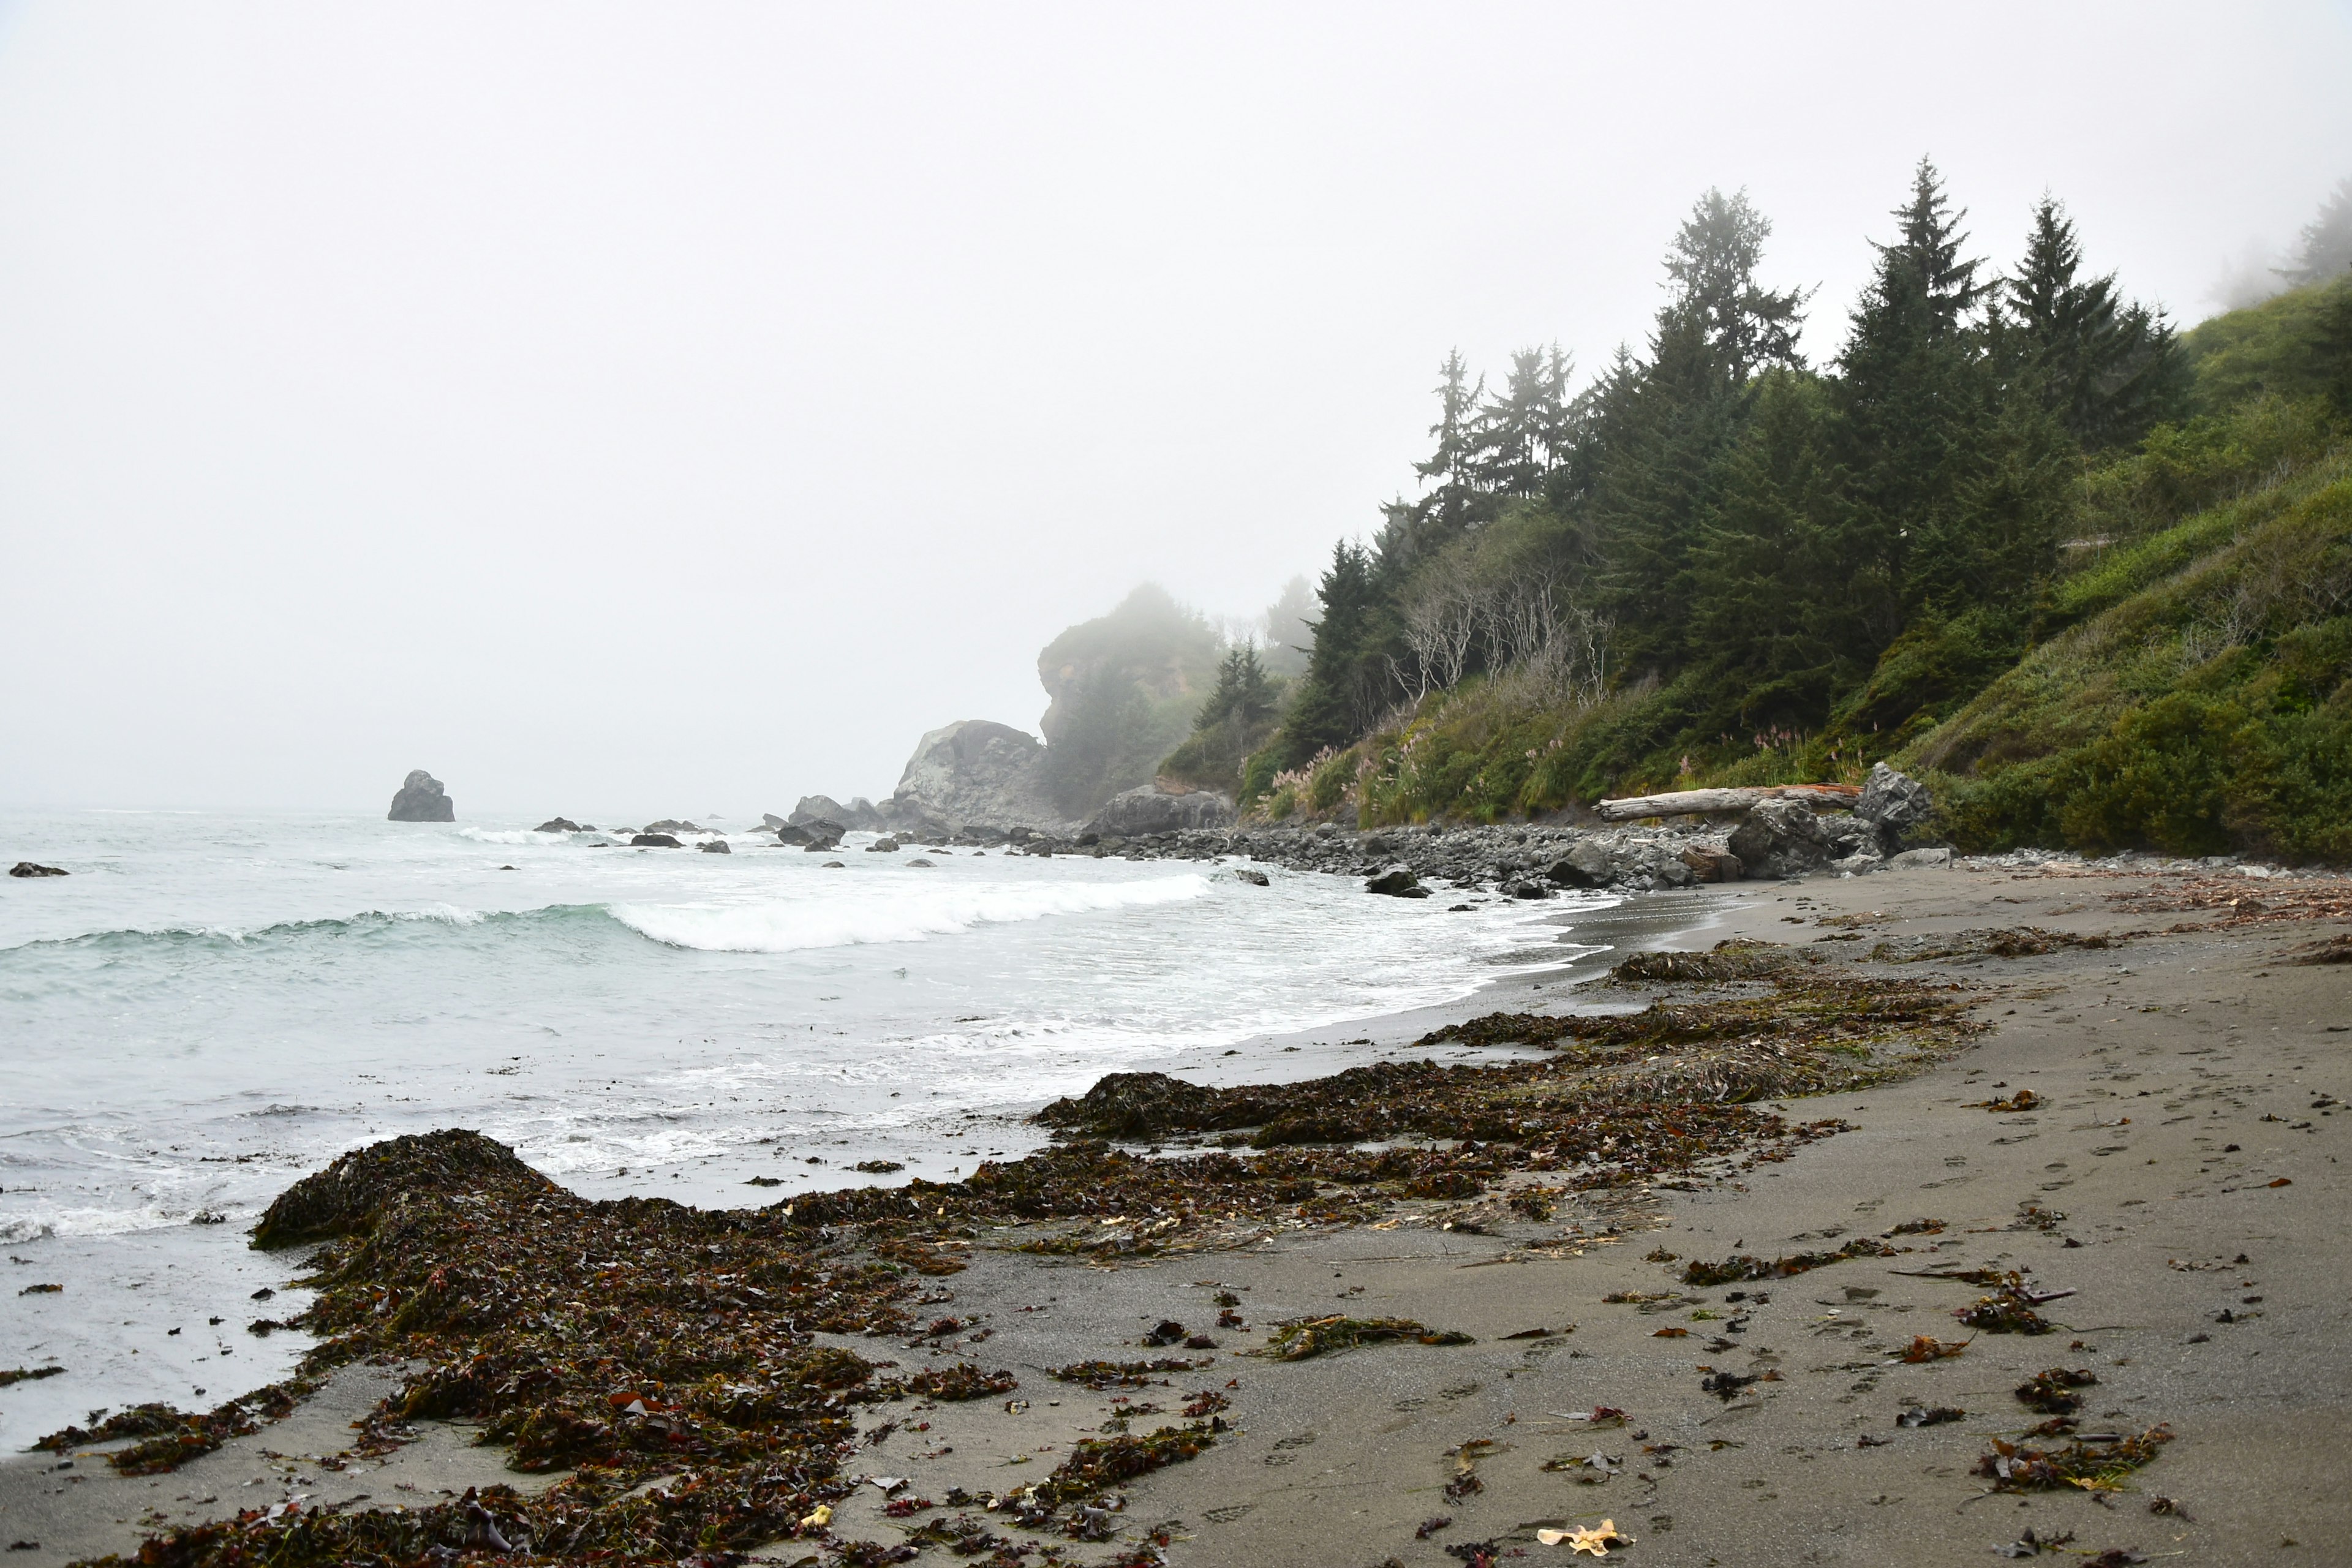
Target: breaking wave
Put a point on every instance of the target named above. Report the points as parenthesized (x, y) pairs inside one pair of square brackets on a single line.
[(885, 917)]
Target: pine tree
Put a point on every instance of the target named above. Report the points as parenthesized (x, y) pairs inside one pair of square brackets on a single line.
[(1911, 393), (1523, 435), (1663, 430), (2107, 368), (1340, 691), (2325, 251)]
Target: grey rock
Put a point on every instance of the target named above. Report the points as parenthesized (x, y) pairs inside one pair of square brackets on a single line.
[(1254, 878), (1149, 809), (1920, 860), (1398, 883), (1781, 838), (771, 822), (975, 773), (1709, 864), (919, 860), (1892, 801), (860, 813), (669, 825), (27, 868), (420, 798), (558, 824), (1586, 866), (1860, 863), (716, 846), (654, 841), (882, 847)]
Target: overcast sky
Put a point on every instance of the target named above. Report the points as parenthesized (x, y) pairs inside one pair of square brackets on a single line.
[(680, 408)]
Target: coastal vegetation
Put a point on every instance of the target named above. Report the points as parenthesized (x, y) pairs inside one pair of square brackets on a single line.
[(2088, 576)]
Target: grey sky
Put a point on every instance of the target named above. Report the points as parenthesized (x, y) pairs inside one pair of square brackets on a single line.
[(679, 409)]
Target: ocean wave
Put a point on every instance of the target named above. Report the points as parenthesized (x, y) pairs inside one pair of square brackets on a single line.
[(878, 917), (512, 835)]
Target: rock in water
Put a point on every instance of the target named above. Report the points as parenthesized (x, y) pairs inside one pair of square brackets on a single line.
[(1148, 809), (976, 773), (654, 841), (1396, 883), (422, 799), (716, 846), (26, 869), (558, 824)]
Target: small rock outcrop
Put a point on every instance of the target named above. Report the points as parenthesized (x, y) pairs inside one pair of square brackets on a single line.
[(559, 825), (27, 868), (1149, 808), (654, 841), (716, 847), (860, 813), (1397, 882), (1895, 805), (422, 798), (667, 824), (975, 773)]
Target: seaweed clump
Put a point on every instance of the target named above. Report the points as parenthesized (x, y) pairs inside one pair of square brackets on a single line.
[(2024, 942), (2093, 1463), (169, 1436), (1100, 1375), (1304, 1337), (1744, 1267), (1731, 959)]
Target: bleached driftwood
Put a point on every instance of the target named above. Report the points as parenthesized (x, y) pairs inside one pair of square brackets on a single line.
[(1693, 802)]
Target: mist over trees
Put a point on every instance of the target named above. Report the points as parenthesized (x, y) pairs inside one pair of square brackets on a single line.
[(1713, 558)]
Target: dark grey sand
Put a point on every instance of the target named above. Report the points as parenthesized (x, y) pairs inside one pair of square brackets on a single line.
[(2203, 1040)]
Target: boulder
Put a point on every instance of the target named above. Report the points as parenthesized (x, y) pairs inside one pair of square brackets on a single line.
[(1149, 808), (1397, 882), (1254, 878), (976, 773), (654, 841), (1921, 860), (772, 823), (27, 868), (882, 847), (859, 814), (1709, 864), (1586, 866), (667, 826), (558, 824), (716, 846), (422, 799), (1781, 838), (1892, 801)]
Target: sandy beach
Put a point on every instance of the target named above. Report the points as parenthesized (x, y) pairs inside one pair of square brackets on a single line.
[(2136, 1118)]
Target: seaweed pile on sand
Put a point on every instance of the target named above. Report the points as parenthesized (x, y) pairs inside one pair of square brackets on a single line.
[(625, 1341)]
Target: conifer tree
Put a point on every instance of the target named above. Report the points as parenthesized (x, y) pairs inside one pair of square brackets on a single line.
[(2107, 368), (1340, 689)]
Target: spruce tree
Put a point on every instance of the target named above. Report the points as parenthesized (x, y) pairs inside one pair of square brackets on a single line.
[(1339, 684), (2107, 368)]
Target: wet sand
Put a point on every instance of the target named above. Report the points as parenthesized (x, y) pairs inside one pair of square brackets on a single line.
[(2149, 1059)]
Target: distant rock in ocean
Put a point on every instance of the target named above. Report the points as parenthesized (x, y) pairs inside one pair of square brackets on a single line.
[(27, 868), (422, 799)]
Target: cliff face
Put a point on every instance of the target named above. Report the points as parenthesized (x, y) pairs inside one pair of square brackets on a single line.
[(976, 773), (1125, 688)]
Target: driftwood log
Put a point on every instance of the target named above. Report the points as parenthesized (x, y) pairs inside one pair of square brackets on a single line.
[(1693, 802)]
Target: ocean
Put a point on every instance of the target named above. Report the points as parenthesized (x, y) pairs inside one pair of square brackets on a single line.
[(211, 1005)]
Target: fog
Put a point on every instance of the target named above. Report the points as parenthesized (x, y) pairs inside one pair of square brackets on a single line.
[(678, 409)]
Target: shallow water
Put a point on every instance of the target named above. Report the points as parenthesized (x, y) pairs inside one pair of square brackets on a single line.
[(210, 1006)]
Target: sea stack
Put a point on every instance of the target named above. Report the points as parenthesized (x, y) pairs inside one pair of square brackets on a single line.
[(422, 799)]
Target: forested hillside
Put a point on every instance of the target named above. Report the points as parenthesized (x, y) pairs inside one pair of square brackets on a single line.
[(2093, 574)]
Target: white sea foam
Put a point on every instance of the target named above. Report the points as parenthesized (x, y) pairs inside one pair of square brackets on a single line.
[(512, 835), (885, 915)]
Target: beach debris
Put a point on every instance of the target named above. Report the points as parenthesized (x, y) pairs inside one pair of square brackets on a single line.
[(1598, 1416), (1599, 1539), (30, 869), (1926, 1347), (40, 1289), (10, 1376), (2024, 942), (1465, 1481), (2171, 1507), (1299, 1338), (1730, 959), (1927, 1416), (1670, 1334), (1431, 1526), (1916, 1227), (1744, 1267), (2051, 1392), (1168, 1332), (2094, 1461), (2009, 1313), (1100, 1375), (2023, 1100), (2028, 1545), (1729, 1385), (878, 1167)]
